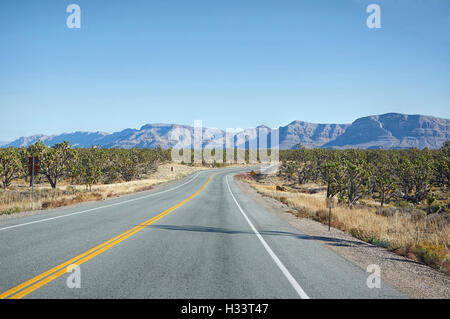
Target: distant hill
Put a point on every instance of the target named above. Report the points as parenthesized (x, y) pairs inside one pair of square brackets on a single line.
[(309, 134), (77, 139), (386, 131), (393, 130)]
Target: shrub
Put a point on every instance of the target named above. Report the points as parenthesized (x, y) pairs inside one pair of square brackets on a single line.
[(10, 211), (435, 209), (379, 242), (404, 204), (431, 254), (303, 212), (46, 204), (360, 234), (322, 215)]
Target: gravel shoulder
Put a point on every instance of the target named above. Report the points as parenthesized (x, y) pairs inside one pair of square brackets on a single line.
[(411, 277)]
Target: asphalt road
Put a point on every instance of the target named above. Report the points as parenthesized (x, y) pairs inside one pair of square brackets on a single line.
[(198, 238)]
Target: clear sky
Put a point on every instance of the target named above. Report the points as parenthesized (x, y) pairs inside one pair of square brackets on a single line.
[(230, 63)]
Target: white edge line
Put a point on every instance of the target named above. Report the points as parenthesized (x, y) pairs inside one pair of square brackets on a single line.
[(101, 207), (280, 265)]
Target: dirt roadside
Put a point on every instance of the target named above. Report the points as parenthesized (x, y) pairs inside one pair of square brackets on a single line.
[(413, 278), (166, 175)]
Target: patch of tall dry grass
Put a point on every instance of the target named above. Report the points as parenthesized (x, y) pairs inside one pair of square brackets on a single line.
[(400, 232), (18, 198)]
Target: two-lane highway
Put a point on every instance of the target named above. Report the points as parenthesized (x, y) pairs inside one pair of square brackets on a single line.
[(199, 238)]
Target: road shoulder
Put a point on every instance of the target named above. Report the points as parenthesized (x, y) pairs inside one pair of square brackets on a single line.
[(413, 278)]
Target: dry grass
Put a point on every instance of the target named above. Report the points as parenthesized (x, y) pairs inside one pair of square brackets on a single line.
[(18, 198), (83, 197), (418, 238)]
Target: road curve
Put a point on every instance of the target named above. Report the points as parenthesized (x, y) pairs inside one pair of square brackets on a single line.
[(198, 238)]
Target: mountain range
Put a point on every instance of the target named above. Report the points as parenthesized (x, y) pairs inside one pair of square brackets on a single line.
[(386, 131)]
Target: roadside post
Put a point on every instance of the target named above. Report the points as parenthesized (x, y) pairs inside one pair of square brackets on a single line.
[(33, 169), (330, 205)]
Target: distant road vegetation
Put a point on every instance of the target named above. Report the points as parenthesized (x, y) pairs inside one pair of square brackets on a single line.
[(396, 199), (85, 166), (403, 176)]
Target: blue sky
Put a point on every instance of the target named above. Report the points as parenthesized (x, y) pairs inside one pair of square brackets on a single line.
[(229, 63)]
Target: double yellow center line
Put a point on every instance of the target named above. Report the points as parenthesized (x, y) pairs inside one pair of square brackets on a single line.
[(36, 282)]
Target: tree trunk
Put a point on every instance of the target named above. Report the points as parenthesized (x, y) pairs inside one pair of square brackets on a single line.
[(51, 181), (328, 189)]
